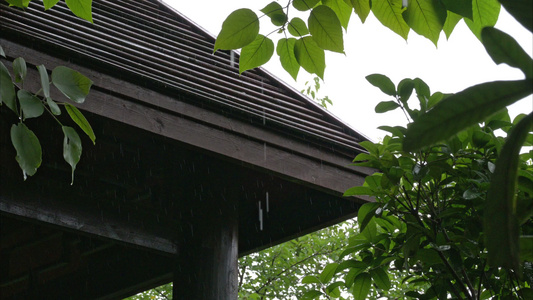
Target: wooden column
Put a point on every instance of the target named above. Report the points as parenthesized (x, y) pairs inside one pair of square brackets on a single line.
[(206, 264)]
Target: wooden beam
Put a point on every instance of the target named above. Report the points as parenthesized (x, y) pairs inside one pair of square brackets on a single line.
[(88, 220)]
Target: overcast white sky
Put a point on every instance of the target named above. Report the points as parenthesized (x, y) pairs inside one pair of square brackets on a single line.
[(371, 48)]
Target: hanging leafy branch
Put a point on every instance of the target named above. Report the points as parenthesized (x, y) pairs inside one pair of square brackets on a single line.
[(328, 18), (26, 105)]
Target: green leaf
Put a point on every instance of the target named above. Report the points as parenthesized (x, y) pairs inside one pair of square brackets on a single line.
[(2, 53), (297, 27), (19, 67), (459, 7), (381, 279), (405, 89), (72, 84), (361, 8), (341, 9), (54, 108), (29, 153), (526, 248), (7, 89), (310, 279), (81, 8), (275, 12), (366, 213), (19, 3), (45, 81), (502, 48), (312, 294), (80, 119), (426, 17), (389, 13), (521, 11), (71, 148), (327, 274), (326, 29), (351, 264), (383, 83), (358, 190), (500, 219), (285, 50), (485, 14), (49, 3), (361, 286), (423, 93), (451, 21), (463, 109), (239, 29), (385, 106), (310, 56), (303, 5), (396, 130), (333, 290), (31, 106), (256, 53)]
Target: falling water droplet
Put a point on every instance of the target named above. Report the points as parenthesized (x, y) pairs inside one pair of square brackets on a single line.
[(267, 203)]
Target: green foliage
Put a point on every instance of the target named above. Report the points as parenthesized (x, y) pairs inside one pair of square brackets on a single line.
[(521, 10), (326, 19), (426, 17), (438, 210), (72, 84), (275, 12), (28, 149), (484, 14), (464, 109), (501, 206), (502, 48), (312, 90), (389, 13), (475, 104), (256, 53), (81, 8), (326, 29), (285, 50), (310, 56), (238, 30)]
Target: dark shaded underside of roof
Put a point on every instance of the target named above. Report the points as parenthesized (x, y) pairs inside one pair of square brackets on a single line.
[(147, 43)]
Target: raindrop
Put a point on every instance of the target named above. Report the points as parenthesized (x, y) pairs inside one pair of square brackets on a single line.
[(265, 151), (267, 203), (260, 217)]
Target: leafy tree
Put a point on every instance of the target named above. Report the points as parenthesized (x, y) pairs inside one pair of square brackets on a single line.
[(429, 221)]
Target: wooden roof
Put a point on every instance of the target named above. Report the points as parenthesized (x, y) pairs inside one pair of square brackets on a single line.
[(173, 122)]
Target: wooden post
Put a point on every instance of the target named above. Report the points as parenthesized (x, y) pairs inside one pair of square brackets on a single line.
[(206, 265)]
